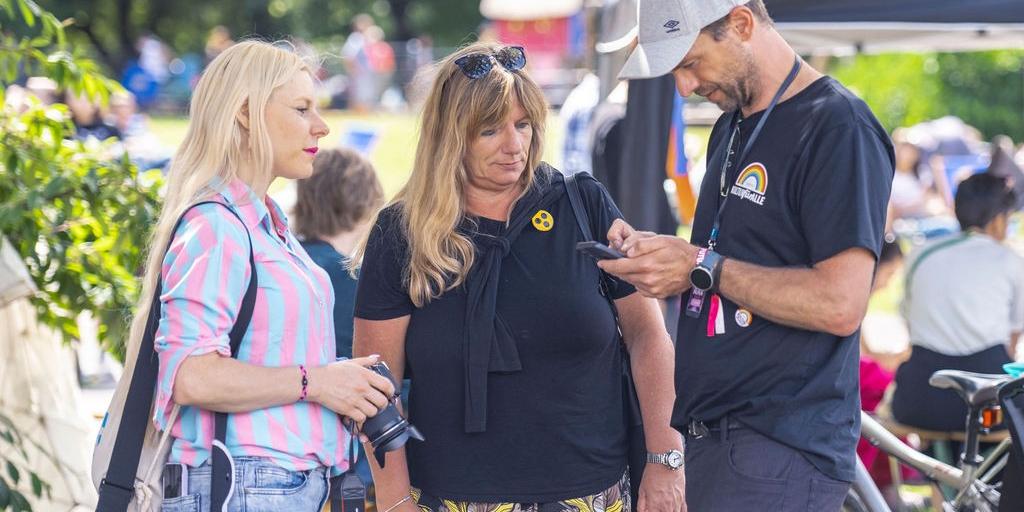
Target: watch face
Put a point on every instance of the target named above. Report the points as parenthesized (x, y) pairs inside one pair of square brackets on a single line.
[(700, 277), (675, 459)]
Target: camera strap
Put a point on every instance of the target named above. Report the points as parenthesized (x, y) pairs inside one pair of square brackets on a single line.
[(348, 492)]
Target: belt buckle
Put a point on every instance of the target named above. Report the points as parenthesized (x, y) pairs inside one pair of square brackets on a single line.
[(697, 429)]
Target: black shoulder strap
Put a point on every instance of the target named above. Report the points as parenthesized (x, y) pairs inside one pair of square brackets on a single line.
[(580, 211), (118, 488), (631, 401)]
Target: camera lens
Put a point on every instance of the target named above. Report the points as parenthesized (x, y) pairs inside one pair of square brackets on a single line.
[(388, 430)]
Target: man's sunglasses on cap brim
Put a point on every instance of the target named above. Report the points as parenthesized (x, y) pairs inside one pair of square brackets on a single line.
[(476, 65)]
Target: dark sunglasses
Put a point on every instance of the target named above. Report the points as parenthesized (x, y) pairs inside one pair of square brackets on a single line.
[(476, 65)]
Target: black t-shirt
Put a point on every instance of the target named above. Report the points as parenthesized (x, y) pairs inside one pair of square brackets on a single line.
[(815, 183), (555, 430)]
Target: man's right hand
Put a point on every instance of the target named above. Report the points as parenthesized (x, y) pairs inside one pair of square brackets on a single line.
[(350, 388), (657, 265)]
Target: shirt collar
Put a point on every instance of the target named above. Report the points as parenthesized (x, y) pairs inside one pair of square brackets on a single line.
[(252, 210)]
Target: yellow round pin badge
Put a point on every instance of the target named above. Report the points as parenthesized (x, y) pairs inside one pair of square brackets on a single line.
[(543, 221)]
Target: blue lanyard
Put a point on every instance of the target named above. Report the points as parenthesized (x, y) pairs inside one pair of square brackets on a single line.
[(733, 129)]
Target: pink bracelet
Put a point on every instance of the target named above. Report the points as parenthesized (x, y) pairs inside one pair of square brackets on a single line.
[(305, 382)]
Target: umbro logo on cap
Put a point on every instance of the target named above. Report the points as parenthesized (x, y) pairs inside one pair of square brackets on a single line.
[(672, 26)]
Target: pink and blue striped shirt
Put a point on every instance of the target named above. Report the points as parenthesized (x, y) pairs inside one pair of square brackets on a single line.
[(205, 274)]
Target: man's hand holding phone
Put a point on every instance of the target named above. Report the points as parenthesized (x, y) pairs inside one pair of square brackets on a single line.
[(658, 265)]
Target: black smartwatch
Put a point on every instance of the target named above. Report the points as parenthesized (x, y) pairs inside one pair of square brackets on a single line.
[(705, 273)]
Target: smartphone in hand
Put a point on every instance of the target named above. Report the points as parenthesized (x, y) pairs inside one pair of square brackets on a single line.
[(598, 251)]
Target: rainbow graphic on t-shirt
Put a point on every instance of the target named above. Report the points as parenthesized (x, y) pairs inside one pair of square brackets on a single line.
[(753, 178)]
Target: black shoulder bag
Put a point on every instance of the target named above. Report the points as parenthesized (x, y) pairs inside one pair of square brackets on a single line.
[(118, 488), (637, 447)]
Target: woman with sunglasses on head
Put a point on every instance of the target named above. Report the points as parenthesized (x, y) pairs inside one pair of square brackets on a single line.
[(253, 118), (470, 285)]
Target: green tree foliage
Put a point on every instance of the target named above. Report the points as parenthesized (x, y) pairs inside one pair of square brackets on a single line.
[(985, 89), (78, 217), (111, 27)]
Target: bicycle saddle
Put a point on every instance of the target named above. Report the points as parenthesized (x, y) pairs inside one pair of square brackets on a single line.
[(976, 389)]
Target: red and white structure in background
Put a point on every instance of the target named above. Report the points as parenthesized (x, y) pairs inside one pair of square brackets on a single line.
[(553, 33)]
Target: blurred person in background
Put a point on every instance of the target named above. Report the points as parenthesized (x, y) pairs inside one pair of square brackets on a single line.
[(964, 305), (333, 209), (88, 121), (218, 41), (355, 54), (142, 145)]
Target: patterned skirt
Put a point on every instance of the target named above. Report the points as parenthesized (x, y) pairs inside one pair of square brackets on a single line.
[(614, 499)]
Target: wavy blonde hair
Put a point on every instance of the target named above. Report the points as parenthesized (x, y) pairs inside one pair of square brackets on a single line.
[(432, 202), (217, 149)]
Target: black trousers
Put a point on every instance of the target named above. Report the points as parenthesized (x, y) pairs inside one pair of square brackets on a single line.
[(738, 469), (918, 404)]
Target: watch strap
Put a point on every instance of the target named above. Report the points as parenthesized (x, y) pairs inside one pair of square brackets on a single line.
[(713, 262), (657, 458), (663, 458)]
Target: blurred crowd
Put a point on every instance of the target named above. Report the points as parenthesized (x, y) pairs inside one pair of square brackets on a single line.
[(370, 74)]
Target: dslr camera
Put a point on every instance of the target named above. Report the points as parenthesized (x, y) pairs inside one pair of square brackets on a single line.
[(389, 430)]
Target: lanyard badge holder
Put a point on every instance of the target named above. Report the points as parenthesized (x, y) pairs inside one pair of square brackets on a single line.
[(716, 324)]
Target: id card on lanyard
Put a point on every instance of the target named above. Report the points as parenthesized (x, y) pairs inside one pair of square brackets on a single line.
[(697, 296)]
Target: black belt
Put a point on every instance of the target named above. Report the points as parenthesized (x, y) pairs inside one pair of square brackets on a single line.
[(697, 429)]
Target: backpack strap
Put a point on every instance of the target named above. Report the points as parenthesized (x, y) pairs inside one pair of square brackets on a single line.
[(908, 281), (118, 487)]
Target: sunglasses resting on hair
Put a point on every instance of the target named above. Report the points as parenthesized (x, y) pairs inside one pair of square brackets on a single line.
[(476, 65)]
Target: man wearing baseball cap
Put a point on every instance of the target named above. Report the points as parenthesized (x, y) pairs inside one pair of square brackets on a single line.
[(776, 275)]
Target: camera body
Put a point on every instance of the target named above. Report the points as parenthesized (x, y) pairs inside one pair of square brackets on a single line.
[(388, 430)]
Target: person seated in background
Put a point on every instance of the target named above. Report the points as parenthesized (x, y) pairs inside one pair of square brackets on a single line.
[(964, 305), (333, 208), (141, 144), (89, 124)]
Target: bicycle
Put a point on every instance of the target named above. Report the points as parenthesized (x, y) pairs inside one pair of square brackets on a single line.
[(972, 479)]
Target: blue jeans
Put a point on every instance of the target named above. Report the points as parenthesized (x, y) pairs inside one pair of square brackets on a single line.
[(260, 485)]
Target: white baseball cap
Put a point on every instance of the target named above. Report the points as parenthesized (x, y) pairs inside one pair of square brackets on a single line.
[(667, 30)]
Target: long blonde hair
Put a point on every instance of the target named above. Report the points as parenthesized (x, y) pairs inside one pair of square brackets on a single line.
[(432, 202), (217, 148)]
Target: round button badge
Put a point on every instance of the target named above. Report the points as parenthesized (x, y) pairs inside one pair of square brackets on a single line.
[(744, 317), (543, 221)]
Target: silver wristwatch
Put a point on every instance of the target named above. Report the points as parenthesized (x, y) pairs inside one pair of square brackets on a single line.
[(673, 459)]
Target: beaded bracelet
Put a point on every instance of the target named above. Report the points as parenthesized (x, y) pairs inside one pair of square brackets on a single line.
[(305, 382)]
